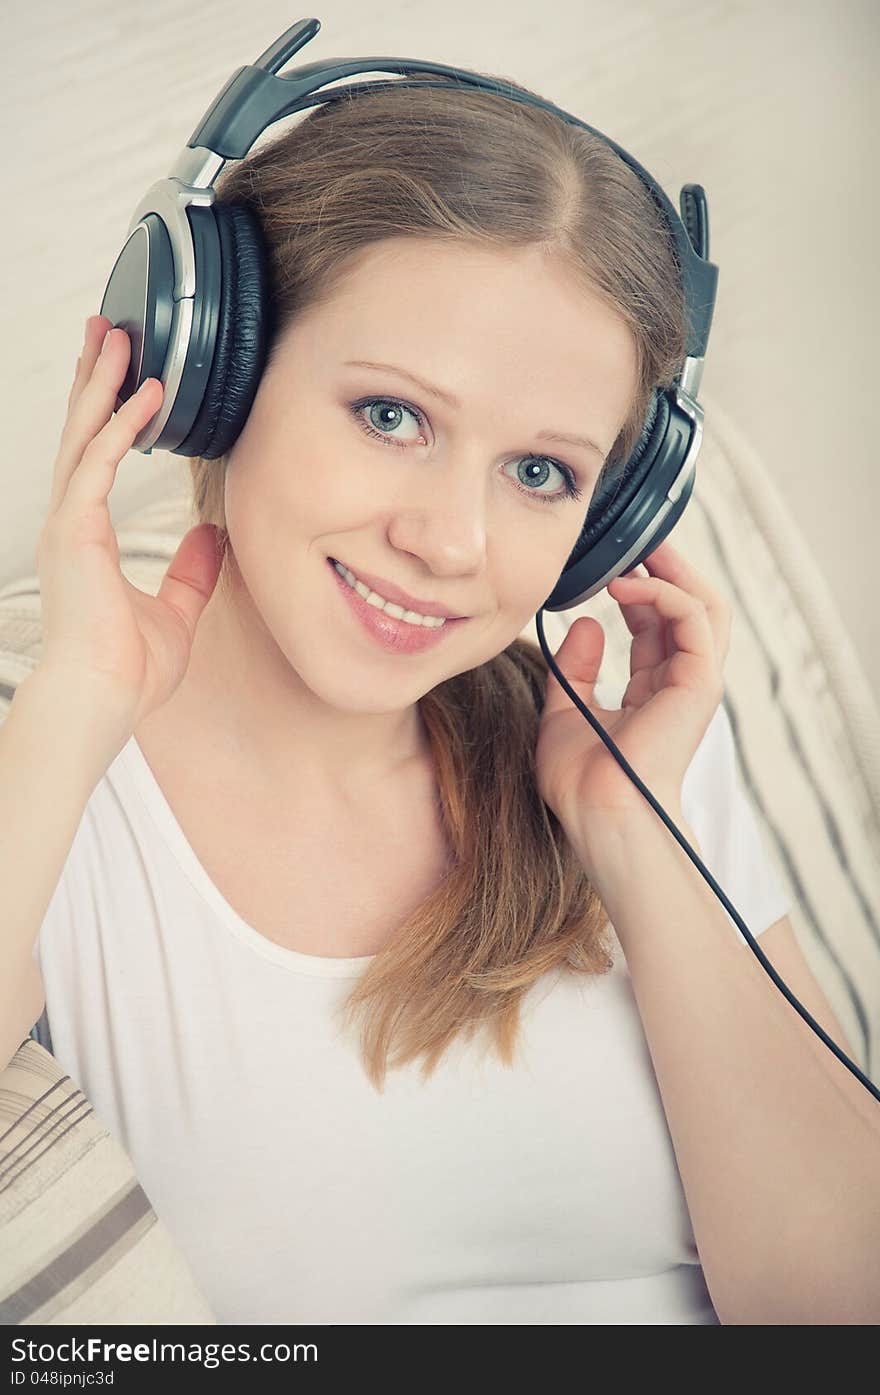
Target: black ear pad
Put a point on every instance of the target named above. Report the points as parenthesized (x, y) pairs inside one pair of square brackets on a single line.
[(244, 329), (613, 493)]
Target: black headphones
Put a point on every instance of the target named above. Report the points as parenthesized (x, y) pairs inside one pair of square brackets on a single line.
[(191, 289)]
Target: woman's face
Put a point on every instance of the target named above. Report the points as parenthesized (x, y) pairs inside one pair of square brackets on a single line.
[(462, 504)]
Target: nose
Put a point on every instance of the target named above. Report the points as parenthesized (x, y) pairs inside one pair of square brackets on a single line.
[(443, 517)]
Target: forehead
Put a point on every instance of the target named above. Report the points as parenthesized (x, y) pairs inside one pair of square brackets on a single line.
[(474, 319)]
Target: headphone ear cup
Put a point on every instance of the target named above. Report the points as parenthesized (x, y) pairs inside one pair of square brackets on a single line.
[(631, 509), (244, 331), (619, 487)]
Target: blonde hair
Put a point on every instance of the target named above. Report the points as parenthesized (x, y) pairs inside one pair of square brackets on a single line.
[(475, 167)]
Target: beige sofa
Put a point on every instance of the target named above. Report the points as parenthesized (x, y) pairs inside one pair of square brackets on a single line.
[(79, 1240)]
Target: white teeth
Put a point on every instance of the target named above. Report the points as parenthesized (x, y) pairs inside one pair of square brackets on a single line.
[(411, 617)]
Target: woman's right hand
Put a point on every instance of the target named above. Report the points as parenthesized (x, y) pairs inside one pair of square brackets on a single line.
[(125, 649)]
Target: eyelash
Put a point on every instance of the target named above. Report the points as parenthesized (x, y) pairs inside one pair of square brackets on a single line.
[(571, 490)]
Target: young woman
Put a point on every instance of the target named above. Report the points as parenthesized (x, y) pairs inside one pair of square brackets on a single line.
[(286, 803)]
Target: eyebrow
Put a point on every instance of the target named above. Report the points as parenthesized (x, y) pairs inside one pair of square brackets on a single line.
[(452, 401)]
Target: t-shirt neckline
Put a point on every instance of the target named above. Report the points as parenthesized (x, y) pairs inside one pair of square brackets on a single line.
[(134, 764)]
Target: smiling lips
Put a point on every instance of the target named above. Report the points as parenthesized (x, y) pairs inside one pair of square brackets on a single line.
[(379, 602), (395, 634), (393, 595)]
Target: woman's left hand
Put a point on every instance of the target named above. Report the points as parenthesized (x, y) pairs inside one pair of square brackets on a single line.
[(681, 630)]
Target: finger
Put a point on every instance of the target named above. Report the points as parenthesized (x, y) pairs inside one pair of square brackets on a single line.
[(652, 643), (91, 401), (666, 561), (92, 405), (74, 383), (579, 658), (96, 330), (93, 478), (686, 616), (192, 575)]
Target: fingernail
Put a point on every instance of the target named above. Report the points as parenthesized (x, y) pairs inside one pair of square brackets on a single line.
[(106, 342)]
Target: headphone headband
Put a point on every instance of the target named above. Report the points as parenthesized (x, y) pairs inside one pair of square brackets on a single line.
[(255, 97)]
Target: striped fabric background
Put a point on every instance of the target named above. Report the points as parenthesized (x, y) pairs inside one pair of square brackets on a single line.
[(78, 1239)]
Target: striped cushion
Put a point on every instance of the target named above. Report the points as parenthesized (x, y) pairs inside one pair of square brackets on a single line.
[(79, 1241), (807, 734)]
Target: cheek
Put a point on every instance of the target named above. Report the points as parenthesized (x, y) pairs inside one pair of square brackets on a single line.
[(281, 495), (520, 584), (528, 578), (264, 524)]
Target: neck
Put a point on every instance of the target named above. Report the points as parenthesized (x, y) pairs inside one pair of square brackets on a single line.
[(252, 708)]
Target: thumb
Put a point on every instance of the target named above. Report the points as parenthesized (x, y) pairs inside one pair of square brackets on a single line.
[(192, 573), (579, 657)]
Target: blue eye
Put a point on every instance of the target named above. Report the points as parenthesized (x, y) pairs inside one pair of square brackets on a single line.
[(392, 407), (388, 406)]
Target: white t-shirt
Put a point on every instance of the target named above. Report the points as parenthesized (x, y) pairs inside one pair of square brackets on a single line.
[(545, 1193)]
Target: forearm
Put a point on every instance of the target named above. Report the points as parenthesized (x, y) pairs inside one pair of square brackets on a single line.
[(53, 750), (780, 1172)]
